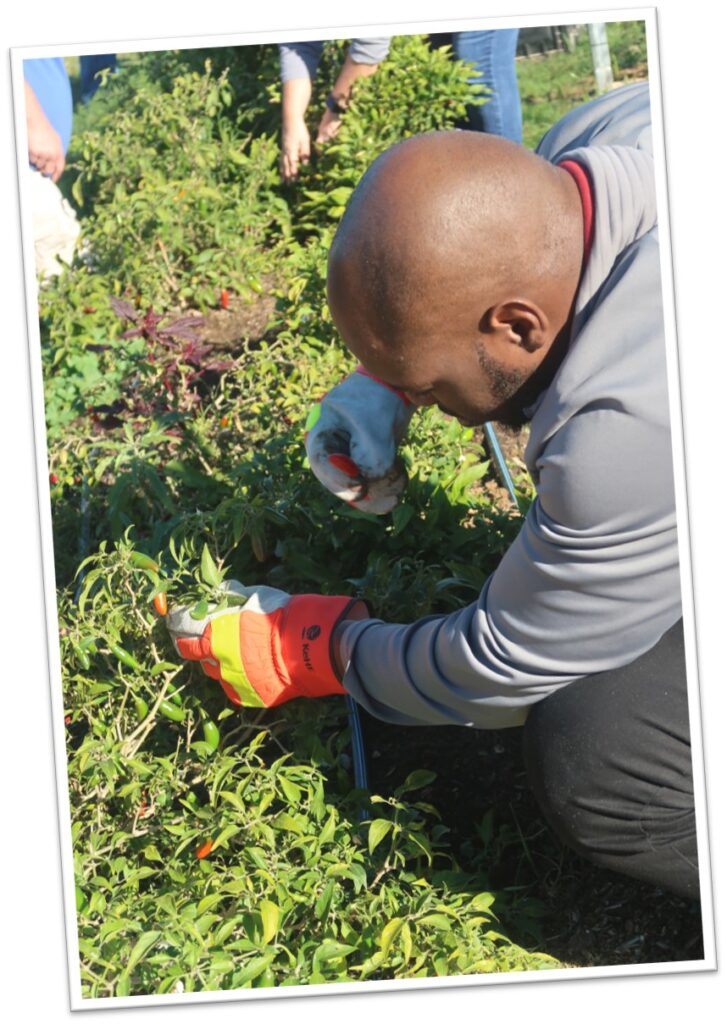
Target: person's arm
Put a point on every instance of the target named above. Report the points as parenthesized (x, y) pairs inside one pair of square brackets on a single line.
[(295, 138), (298, 64), (362, 61), (45, 148)]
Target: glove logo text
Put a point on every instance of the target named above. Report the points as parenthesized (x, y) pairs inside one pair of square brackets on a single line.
[(309, 634)]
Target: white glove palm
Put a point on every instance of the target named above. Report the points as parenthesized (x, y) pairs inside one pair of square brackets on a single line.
[(351, 440)]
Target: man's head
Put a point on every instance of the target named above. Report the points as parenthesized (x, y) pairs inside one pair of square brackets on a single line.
[(454, 269)]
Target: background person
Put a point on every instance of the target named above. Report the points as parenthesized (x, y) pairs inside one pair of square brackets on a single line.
[(49, 119), (91, 65), (493, 55), (298, 65)]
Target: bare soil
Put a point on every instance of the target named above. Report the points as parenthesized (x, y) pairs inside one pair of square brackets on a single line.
[(244, 322)]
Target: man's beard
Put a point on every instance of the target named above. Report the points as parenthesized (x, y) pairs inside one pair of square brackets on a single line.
[(516, 390), (507, 386)]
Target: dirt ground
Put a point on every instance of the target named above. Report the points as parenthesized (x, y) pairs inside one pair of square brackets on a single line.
[(244, 322)]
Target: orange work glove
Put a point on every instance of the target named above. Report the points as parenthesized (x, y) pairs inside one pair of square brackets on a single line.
[(273, 648)]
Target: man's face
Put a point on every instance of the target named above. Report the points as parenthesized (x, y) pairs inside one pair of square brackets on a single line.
[(461, 378), (448, 364)]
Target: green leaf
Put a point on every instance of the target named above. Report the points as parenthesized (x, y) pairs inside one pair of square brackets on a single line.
[(141, 948), (234, 799), (123, 985), (210, 573), (163, 666), (254, 968), (225, 834), (329, 829), (331, 950), (389, 933), (401, 516), (482, 901), (270, 915), (200, 610), (406, 941), (416, 780), (289, 823), (323, 902), (439, 921), (292, 792), (377, 831)]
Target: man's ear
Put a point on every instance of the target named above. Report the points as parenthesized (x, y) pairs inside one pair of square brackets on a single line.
[(517, 322)]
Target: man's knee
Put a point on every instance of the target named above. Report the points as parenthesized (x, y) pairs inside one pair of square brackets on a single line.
[(609, 760)]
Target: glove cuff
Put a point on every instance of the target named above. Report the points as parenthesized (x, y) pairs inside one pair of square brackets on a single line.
[(399, 394), (306, 637)]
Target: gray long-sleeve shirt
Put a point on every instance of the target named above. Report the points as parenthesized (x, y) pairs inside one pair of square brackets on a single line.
[(301, 59), (592, 580)]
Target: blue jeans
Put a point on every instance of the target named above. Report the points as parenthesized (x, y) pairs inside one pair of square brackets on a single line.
[(90, 67), (493, 54)]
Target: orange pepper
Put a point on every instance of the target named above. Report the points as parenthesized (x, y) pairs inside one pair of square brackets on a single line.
[(202, 851), (160, 603)]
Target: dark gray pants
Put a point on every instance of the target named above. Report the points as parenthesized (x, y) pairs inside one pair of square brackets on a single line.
[(609, 760)]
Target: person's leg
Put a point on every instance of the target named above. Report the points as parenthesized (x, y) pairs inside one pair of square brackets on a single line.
[(90, 65), (609, 760), (493, 54)]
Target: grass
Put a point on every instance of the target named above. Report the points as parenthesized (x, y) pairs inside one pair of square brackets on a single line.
[(552, 84)]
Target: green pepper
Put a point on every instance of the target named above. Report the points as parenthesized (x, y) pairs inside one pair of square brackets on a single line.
[(90, 645), (83, 659), (125, 658), (266, 979), (172, 712), (142, 708), (211, 734), (176, 697), (141, 561)]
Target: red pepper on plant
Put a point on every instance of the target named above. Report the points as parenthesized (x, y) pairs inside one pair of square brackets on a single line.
[(204, 850)]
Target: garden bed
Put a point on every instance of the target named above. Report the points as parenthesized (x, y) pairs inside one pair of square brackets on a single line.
[(224, 849)]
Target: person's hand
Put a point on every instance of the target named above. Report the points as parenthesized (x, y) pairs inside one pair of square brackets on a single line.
[(328, 127), (351, 439), (295, 148), (272, 648), (45, 149)]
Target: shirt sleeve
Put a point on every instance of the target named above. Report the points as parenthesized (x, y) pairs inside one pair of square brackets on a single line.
[(369, 51), (565, 602), (299, 59)]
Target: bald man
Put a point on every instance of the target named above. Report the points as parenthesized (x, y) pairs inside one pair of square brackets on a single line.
[(504, 285)]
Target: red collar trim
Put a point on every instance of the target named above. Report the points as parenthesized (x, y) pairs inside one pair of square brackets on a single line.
[(580, 176)]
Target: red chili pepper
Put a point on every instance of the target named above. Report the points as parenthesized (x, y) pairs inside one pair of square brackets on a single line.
[(160, 603), (225, 421), (202, 851), (53, 478), (345, 464), (225, 299), (67, 720)]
